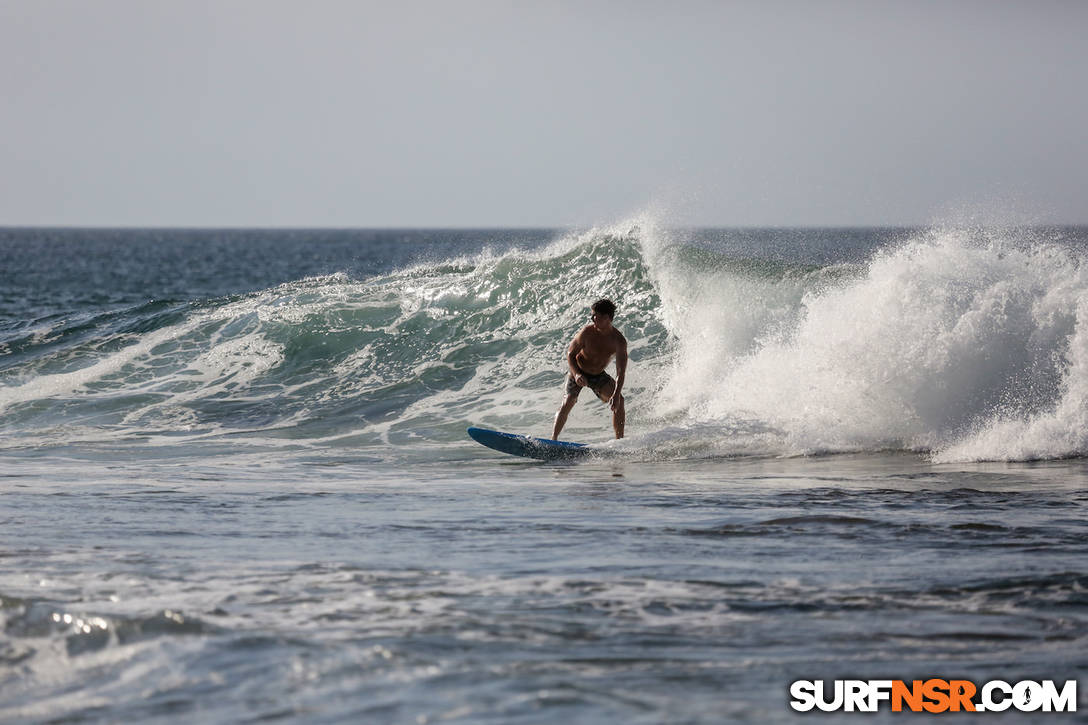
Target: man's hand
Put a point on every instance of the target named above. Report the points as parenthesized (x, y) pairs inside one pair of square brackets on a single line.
[(581, 380), (617, 399)]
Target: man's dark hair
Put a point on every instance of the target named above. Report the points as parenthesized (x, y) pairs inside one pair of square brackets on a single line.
[(605, 307)]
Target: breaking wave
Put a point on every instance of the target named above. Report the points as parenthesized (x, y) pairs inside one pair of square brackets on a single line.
[(963, 344)]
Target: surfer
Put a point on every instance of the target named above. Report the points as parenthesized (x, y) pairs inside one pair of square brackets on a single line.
[(587, 357)]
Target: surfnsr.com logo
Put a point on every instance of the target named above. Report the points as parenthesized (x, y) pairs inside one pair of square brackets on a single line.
[(933, 695)]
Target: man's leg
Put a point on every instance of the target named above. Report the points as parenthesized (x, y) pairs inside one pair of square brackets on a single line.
[(619, 416), (561, 416)]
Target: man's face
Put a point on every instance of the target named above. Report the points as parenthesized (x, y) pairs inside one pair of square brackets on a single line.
[(602, 322)]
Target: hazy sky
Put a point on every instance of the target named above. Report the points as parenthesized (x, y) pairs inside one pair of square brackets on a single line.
[(546, 113)]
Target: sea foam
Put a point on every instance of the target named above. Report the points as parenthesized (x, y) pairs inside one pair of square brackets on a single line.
[(966, 344)]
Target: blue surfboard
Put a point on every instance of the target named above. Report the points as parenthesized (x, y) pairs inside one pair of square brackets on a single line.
[(519, 445)]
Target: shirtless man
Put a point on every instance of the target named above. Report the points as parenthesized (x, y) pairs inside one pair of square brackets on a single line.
[(587, 357)]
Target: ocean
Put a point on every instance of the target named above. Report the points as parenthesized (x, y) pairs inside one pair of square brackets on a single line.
[(235, 484)]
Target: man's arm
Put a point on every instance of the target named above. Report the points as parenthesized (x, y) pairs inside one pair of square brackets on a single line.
[(572, 359), (621, 370)]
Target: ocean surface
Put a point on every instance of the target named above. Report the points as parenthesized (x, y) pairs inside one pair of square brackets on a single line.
[(235, 484)]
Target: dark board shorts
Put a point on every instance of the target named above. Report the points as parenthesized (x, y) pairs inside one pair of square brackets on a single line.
[(596, 383)]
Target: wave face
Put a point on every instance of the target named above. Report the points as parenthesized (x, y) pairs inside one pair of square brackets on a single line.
[(965, 344), (404, 357)]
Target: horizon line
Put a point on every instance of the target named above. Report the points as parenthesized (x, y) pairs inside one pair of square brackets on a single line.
[(495, 227)]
